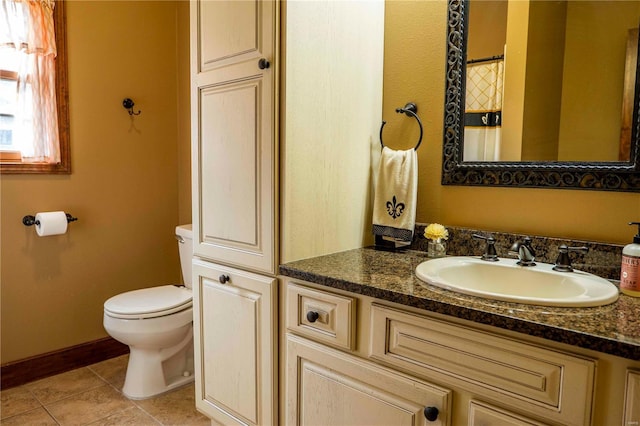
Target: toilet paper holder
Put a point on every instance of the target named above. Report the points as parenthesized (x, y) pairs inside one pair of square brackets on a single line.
[(30, 220)]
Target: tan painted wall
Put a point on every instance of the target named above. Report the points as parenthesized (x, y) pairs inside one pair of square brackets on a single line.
[(487, 29), (592, 94), (184, 114), (543, 80), (415, 39), (516, 51), (124, 187)]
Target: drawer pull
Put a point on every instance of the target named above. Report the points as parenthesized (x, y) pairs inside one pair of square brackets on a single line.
[(223, 278), (431, 413), (312, 316)]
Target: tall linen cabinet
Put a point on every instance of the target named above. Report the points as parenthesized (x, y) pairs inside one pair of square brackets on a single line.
[(233, 107), (277, 148)]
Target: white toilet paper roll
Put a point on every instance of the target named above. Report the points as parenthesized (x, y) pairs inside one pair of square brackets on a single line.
[(51, 223)]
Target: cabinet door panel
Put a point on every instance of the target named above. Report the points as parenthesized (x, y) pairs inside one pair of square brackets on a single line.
[(233, 173), (234, 333), (228, 38), (481, 414), (230, 355), (228, 170), (328, 387), (233, 27)]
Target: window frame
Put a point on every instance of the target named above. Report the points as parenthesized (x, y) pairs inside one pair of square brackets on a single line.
[(8, 166)]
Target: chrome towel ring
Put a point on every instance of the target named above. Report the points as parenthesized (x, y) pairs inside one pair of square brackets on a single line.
[(411, 110)]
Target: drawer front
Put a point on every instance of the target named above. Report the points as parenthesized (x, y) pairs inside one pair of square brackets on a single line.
[(325, 317), (544, 382), (481, 414)]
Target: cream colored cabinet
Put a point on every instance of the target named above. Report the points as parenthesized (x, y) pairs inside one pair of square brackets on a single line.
[(242, 126), (234, 153), (233, 110), (472, 374), (325, 386), (234, 333), (329, 387)]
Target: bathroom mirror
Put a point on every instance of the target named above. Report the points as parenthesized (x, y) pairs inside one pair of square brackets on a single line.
[(490, 144)]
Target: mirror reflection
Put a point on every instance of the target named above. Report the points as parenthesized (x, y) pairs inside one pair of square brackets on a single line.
[(550, 80)]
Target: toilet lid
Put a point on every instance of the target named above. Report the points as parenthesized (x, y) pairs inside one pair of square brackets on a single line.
[(149, 302)]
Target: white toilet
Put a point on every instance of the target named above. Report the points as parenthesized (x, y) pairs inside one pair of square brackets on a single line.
[(157, 324)]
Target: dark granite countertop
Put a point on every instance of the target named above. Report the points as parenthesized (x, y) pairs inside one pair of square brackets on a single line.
[(612, 329)]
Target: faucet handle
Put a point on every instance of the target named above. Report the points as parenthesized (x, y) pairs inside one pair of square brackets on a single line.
[(489, 254), (563, 263)]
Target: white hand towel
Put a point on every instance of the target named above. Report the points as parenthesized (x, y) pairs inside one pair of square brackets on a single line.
[(394, 206)]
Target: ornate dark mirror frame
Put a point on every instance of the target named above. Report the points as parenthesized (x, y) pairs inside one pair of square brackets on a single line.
[(604, 176)]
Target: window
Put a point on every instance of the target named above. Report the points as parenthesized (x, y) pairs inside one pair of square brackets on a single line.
[(10, 157)]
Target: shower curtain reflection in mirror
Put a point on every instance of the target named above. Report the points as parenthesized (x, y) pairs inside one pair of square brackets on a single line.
[(483, 110)]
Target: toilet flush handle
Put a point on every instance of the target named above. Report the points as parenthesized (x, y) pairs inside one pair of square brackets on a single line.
[(223, 278)]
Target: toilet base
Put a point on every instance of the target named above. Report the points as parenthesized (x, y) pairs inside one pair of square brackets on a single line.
[(153, 372), (139, 394)]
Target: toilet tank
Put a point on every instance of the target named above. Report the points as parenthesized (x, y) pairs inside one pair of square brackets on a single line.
[(184, 235)]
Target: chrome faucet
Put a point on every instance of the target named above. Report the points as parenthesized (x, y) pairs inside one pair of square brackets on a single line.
[(489, 254), (563, 263), (524, 251)]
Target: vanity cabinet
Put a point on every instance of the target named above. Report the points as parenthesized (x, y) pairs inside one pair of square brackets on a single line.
[(326, 386), (471, 374), (234, 332)]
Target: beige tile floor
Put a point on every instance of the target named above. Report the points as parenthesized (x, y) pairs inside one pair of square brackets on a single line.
[(91, 396)]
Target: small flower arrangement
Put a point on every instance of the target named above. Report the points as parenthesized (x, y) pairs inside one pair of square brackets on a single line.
[(436, 232)]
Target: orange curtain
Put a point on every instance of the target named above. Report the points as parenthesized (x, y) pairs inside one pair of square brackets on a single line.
[(27, 28)]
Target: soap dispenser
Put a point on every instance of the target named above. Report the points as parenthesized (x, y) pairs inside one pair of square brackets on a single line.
[(630, 274)]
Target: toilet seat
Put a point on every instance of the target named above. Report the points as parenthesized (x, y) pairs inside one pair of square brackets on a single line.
[(149, 302)]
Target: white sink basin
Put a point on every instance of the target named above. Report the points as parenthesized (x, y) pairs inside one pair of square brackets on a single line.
[(506, 281)]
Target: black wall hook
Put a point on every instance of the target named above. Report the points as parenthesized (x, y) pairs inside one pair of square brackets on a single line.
[(128, 104)]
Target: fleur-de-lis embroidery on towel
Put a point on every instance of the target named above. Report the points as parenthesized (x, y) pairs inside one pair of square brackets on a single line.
[(395, 209)]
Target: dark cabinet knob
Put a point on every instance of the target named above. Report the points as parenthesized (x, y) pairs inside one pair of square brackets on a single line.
[(223, 279), (431, 413), (263, 64), (312, 316)]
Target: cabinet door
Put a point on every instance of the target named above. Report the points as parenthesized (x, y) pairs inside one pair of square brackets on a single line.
[(235, 337), (329, 387), (632, 399), (233, 132)]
